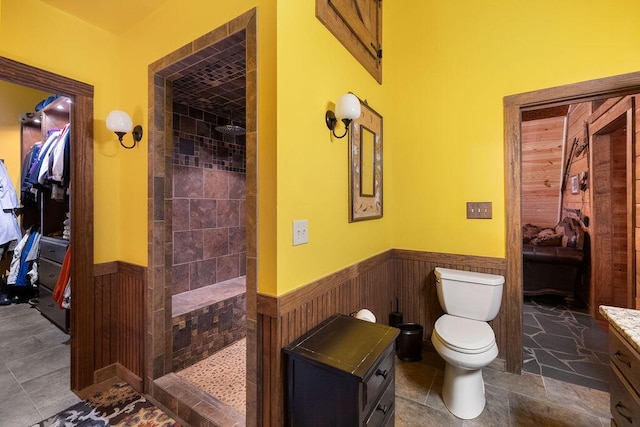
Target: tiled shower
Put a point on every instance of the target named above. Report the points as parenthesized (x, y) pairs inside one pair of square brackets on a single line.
[(209, 248)]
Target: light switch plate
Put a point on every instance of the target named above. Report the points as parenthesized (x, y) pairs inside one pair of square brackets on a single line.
[(300, 232), (479, 210)]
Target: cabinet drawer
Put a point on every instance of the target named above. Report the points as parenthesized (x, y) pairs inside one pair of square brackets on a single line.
[(48, 273), (53, 249), (49, 309), (625, 358), (375, 383), (383, 408), (625, 404)]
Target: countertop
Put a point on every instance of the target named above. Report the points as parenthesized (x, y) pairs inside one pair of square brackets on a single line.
[(626, 321)]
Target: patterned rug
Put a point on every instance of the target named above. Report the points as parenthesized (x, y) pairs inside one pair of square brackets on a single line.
[(120, 405)]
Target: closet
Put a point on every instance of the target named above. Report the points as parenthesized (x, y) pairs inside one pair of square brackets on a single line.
[(45, 197)]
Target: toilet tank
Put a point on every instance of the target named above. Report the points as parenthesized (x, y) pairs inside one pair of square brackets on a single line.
[(469, 294)]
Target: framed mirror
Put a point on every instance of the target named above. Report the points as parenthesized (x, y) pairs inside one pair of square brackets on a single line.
[(365, 166)]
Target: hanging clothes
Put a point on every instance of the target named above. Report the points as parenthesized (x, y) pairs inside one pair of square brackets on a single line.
[(34, 172), (9, 227), (27, 197), (62, 291), (25, 253)]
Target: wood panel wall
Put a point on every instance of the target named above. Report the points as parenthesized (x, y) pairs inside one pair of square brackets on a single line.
[(613, 256), (119, 322), (373, 283), (542, 141), (577, 120)]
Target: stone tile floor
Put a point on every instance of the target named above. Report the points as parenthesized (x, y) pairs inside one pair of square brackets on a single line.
[(565, 344), (34, 384), (34, 367), (512, 400)]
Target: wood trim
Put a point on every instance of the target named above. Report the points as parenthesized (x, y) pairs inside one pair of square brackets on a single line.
[(603, 119), (105, 268), (119, 372), (373, 283), (82, 338), (625, 84), (631, 202), (604, 107), (607, 87), (119, 321), (295, 298), (513, 279), (470, 260), (26, 75), (332, 20)]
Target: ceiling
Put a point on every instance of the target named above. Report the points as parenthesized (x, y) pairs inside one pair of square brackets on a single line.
[(216, 82), (114, 16)]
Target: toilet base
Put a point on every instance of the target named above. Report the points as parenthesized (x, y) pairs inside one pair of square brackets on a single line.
[(463, 391)]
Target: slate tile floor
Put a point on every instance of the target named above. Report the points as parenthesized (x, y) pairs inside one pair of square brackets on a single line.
[(34, 384), (34, 367), (512, 400), (565, 344)]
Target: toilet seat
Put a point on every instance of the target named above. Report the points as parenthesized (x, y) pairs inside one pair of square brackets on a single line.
[(464, 335)]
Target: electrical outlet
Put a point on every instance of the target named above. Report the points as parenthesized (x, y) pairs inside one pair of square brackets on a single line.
[(479, 210), (300, 232)]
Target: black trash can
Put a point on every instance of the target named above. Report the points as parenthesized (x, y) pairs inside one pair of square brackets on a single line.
[(409, 342)]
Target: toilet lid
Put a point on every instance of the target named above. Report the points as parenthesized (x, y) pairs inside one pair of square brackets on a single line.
[(464, 335)]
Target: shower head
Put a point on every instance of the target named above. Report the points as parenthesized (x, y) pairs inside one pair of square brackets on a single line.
[(231, 129)]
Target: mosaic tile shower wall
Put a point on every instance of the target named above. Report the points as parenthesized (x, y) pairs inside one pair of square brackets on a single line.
[(200, 333), (208, 201)]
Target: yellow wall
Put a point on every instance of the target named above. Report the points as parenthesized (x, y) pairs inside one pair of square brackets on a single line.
[(314, 69), (165, 31), (447, 67), (14, 100), (39, 35)]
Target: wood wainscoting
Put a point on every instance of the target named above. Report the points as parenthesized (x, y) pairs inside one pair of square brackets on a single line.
[(373, 283), (119, 322)]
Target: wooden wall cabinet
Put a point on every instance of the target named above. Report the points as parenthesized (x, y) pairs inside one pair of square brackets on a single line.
[(358, 26), (342, 373)]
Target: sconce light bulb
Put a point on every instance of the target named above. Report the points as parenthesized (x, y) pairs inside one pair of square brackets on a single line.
[(348, 107), (119, 121)]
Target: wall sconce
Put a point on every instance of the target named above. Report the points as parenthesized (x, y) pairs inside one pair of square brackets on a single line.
[(120, 123), (347, 109)]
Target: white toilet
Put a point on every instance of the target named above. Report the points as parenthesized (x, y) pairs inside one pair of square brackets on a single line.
[(463, 338)]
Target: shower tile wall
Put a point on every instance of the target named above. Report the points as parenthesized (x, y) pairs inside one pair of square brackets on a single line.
[(208, 201)]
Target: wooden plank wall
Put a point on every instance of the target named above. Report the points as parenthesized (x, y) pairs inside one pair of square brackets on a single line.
[(577, 118), (541, 170), (374, 283), (119, 321), (619, 217)]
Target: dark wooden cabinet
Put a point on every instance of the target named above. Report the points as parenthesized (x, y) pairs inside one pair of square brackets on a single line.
[(52, 252), (342, 373)]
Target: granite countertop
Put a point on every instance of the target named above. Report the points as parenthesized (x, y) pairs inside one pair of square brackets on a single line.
[(626, 321)]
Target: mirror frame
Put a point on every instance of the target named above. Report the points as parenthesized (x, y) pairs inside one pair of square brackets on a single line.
[(363, 206)]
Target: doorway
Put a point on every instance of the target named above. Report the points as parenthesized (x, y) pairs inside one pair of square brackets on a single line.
[(82, 319), (163, 74), (514, 106)]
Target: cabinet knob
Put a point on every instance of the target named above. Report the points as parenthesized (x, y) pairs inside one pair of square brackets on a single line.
[(624, 412), (622, 358), (383, 409), (382, 373)]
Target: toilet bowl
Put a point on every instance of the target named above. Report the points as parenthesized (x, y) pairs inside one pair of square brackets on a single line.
[(463, 338)]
